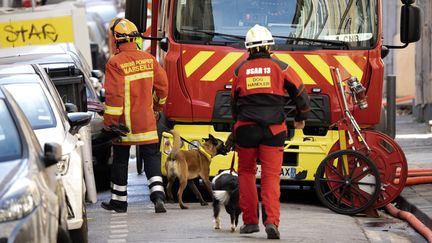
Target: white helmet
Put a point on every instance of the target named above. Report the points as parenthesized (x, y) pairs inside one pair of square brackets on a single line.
[(258, 36)]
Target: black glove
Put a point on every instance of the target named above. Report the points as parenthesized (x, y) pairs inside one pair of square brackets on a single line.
[(120, 130), (229, 144), (115, 133)]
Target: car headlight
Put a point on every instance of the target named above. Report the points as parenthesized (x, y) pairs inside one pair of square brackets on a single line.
[(20, 200), (63, 165)]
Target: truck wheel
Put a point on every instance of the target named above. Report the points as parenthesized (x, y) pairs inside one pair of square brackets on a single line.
[(81, 235)]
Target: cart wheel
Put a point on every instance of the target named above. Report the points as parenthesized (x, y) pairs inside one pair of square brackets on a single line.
[(348, 187), (391, 162), (139, 161)]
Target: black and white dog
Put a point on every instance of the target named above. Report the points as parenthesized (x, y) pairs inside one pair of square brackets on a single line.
[(226, 192)]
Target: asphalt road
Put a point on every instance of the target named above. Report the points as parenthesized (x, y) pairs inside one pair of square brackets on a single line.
[(303, 219)]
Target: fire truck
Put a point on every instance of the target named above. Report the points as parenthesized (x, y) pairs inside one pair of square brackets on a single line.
[(201, 42)]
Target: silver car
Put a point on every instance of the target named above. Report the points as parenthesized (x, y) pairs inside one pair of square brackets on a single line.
[(42, 105), (65, 65), (32, 197)]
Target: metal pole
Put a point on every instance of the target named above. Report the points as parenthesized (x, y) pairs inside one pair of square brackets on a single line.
[(391, 105)]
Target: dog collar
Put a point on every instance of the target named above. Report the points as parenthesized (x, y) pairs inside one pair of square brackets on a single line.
[(207, 155)]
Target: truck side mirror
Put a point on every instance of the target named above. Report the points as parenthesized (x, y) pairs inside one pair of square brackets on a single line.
[(163, 44), (136, 11), (410, 23), (384, 51)]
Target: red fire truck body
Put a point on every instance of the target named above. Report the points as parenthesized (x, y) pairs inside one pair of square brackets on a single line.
[(202, 42)]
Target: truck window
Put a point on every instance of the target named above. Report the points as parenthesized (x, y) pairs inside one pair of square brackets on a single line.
[(212, 21)]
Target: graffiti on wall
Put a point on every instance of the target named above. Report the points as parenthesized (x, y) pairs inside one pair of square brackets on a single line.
[(36, 31)]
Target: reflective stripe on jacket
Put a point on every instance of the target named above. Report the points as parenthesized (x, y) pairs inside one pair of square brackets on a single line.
[(133, 79)]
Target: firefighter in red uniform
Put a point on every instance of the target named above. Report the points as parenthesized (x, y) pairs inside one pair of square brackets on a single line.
[(258, 91), (136, 87)]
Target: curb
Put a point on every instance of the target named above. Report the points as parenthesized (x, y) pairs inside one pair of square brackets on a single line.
[(412, 202)]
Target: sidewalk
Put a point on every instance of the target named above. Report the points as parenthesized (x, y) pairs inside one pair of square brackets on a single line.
[(415, 140)]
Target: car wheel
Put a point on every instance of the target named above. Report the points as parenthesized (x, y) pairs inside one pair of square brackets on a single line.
[(81, 235)]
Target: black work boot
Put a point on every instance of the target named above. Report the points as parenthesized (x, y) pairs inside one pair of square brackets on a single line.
[(249, 228), (272, 231), (111, 207), (159, 206)]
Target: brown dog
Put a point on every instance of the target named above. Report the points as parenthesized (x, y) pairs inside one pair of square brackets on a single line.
[(190, 164)]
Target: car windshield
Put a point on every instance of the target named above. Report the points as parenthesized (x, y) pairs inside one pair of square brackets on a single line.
[(10, 142), (316, 23), (33, 101)]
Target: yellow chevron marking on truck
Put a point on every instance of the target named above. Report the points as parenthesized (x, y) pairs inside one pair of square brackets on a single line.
[(321, 66), (222, 66), (197, 61), (352, 67), (297, 68)]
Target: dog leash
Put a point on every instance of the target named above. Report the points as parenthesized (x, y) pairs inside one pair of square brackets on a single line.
[(232, 163), (186, 141), (166, 129)]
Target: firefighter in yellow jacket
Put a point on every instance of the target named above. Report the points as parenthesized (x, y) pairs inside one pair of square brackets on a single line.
[(136, 88)]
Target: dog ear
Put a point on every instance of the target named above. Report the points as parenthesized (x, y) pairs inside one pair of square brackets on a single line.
[(213, 140), (210, 138)]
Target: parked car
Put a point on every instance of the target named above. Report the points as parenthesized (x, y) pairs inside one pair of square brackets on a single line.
[(107, 10), (98, 41), (27, 177), (63, 62), (37, 96)]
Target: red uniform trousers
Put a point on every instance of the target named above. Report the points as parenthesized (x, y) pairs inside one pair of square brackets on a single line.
[(266, 144)]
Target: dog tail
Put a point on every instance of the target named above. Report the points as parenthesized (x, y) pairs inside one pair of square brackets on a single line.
[(176, 145), (222, 196)]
